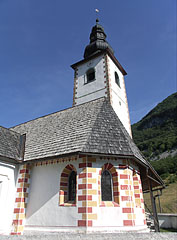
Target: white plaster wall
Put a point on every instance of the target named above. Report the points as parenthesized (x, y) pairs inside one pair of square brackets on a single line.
[(43, 208), (110, 217), (113, 216), (119, 99), (8, 175), (107, 216), (92, 90)]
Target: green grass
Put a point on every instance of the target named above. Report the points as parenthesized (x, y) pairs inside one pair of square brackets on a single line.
[(168, 200), (168, 230)]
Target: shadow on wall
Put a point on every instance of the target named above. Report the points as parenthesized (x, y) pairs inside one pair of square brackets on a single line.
[(44, 187)]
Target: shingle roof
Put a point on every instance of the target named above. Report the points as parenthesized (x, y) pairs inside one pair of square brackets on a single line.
[(11, 144), (92, 127)]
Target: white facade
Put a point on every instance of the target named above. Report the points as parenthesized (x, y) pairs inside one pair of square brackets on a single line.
[(119, 96), (90, 91), (8, 176), (45, 213), (43, 210)]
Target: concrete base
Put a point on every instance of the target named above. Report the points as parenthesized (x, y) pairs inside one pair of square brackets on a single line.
[(167, 220), (83, 230)]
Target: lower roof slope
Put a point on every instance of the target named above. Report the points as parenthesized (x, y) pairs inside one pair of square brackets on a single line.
[(11, 144), (91, 127)]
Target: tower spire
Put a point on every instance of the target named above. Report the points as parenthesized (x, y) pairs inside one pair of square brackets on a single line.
[(97, 41)]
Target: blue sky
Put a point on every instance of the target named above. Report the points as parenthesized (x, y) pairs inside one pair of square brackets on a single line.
[(40, 39)]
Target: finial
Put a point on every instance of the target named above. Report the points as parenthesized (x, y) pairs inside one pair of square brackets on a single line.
[(97, 11)]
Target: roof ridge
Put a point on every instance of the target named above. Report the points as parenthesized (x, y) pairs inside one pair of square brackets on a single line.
[(8, 129), (92, 125), (54, 113)]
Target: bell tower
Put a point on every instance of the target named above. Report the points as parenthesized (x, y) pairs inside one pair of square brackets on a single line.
[(100, 74)]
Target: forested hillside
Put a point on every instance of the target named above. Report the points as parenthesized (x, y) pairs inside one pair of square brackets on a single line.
[(157, 131), (156, 137)]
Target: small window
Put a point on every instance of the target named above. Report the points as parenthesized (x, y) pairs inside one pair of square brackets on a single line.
[(106, 186), (117, 80), (90, 75), (72, 187)]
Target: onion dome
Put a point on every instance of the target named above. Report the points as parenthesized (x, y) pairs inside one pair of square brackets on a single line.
[(97, 41)]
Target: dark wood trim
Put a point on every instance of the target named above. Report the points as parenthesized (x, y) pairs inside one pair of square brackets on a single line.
[(154, 210)]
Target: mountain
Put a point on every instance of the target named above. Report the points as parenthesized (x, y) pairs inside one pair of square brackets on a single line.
[(156, 133)]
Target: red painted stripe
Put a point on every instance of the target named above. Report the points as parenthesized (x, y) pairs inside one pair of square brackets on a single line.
[(136, 187), (18, 210), (137, 195), (85, 186), (63, 184), (21, 180), (83, 165), (89, 223), (102, 204), (109, 166), (115, 184), (126, 198), (85, 210), (116, 193), (82, 198), (14, 233), (89, 186), (82, 175), (24, 171), (123, 176), (127, 210), (64, 175), (18, 222), (89, 197), (82, 186), (115, 174), (125, 187), (135, 178), (69, 167), (20, 200), (81, 223), (82, 210), (127, 222), (123, 166)]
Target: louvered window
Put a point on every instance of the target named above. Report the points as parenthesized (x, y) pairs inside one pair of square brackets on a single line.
[(90, 75)]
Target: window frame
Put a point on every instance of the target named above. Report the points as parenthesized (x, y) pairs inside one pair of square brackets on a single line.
[(117, 79), (111, 187), (89, 72), (70, 190)]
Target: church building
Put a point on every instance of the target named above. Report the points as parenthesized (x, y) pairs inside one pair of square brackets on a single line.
[(77, 170)]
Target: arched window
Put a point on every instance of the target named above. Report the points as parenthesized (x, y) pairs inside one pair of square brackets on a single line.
[(106, 186), (90, 75), (117, 79), (72, 187), (68, 182)]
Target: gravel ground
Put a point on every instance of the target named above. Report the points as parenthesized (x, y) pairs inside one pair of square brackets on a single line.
[(92, 236)]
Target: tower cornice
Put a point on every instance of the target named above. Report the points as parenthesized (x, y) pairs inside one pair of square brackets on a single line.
[(106, 51)]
